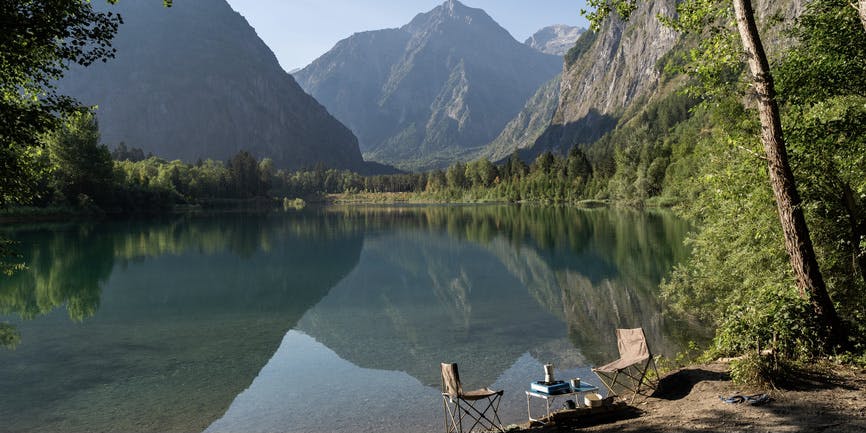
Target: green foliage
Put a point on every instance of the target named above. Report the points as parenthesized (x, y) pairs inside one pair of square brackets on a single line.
[(822, 83), (632, 161), (829, 59), (828, 144), (247, 179), (738, 277), (122, 153), (456, 176), (581, 47), (73, 278), (765, 371), (164, 183), (40, 39), (600, 10), (296, 204), (736, 249), (82, 170), (773, 319), (717, 61), (481, 173), (9, 258), (39, 42), (9, 336), (550, 179)]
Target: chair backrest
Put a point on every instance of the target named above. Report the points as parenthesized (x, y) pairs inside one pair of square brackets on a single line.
[(632, 344), (451, 380)]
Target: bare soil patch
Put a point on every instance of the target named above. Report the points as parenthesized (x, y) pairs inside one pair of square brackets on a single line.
[(832, 400)]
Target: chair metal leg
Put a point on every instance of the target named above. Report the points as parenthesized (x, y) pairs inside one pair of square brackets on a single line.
[(445, 408), (608, 381), (634, 380), (453, 414), (480, 416), (456, 409), (460, 418), (638, 380)]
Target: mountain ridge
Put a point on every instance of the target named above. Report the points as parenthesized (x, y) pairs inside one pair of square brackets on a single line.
[(420, 95)]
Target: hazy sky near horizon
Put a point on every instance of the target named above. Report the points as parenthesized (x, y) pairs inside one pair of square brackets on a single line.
[(299, 31)]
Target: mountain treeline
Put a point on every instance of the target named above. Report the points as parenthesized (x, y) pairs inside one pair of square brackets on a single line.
[(79, 173)]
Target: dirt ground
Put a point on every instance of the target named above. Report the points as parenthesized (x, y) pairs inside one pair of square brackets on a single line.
[(688, 401)]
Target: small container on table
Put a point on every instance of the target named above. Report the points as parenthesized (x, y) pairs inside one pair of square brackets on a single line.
[(579, 394)]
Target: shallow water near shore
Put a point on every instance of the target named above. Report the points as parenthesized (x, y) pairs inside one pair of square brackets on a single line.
[(325, 320)]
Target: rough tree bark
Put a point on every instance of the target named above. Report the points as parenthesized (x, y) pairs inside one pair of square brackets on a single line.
[(861, 6), (797, 240)]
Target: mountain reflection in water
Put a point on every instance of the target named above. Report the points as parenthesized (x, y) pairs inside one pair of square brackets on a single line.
[(283, 322)]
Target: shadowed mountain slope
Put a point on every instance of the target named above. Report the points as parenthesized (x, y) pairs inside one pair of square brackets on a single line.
[(194, 81)]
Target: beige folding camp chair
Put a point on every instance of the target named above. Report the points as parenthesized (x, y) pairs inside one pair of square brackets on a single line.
[(458, 403), (630, 370)]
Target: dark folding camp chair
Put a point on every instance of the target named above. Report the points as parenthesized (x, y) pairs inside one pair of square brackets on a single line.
[(471, 406), (630, 370)]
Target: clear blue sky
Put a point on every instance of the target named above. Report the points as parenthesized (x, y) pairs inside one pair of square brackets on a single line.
[(299, 31)]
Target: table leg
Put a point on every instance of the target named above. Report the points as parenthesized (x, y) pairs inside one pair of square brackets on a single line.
[(547, 400)]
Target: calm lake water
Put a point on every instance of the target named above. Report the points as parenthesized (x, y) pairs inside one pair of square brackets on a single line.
[(323, 320)]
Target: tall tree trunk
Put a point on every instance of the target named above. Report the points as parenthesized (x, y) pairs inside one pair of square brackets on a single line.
[(861, 6), (797, 240)]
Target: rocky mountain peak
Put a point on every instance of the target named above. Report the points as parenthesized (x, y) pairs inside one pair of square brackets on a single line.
[(556, 39), (451, 15), (421, 95), (452, 5), (455, 9)]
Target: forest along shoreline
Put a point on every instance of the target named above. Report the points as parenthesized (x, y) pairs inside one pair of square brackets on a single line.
[(269, 204)]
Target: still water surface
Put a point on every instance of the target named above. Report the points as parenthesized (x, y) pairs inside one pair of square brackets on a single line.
[(323, 320)]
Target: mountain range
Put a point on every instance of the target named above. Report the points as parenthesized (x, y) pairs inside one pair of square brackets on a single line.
[(430, 92), (194, 81)]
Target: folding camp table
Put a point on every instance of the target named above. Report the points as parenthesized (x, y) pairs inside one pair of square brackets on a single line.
[(579, 394)]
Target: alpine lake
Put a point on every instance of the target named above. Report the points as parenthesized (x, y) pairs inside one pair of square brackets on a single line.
[(321, 320)]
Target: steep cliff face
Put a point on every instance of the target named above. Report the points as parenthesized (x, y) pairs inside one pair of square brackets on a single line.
[(608, 72), (616, 70), (195, 81), (442, 85), (556, 39)]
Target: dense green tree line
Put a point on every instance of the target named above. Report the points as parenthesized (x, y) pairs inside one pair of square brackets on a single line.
[(80, 174), (548, 179)]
